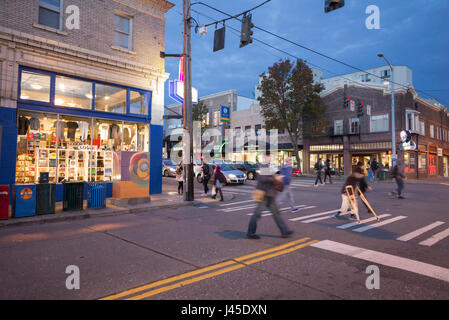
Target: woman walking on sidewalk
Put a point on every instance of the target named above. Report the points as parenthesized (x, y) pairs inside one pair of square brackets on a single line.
[(219, 179), (180, 178)]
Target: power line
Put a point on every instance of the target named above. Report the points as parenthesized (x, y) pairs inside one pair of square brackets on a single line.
[(308, 49), (289, 54)]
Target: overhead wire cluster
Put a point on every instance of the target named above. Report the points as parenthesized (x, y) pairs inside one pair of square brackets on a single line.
[(236, 17)]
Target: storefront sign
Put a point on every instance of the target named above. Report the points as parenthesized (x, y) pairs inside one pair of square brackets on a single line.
[(440, 152)]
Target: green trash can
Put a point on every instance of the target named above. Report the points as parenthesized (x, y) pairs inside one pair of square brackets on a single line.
[(46, 198), (73, 196), (382, 175)]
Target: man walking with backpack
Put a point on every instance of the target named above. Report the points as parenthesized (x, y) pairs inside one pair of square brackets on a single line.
[(319, 169), (206, 174), (265, 194)]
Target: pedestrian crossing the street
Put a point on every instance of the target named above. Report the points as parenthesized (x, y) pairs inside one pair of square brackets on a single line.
[(305, 215)]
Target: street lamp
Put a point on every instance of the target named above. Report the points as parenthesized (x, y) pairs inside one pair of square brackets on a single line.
[(393, 130)]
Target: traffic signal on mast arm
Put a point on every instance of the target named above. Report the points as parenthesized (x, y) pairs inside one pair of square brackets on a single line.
[(346, 102), (360, 106), (247, 32), (330, 5)]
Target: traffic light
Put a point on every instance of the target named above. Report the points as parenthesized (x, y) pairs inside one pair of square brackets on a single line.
[(360, 106), (346, 102), (246, 34), (330, 5)]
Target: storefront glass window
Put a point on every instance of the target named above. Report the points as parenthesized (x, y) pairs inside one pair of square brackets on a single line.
[(35, 86), (138, 103), (110, 98), (73, 93), (36, 147), (69, 150)]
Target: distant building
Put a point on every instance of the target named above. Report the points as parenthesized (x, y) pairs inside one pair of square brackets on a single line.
[(351, 138)]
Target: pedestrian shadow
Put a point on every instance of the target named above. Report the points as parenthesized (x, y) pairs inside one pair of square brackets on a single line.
[(236, 235)]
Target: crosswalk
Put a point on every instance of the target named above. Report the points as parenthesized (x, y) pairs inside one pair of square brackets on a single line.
[(305, 215), (249, 188)]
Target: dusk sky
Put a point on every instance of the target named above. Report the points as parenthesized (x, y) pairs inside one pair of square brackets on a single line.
[(412, 33)]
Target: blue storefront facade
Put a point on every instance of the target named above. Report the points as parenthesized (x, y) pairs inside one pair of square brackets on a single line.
[(80, 130)]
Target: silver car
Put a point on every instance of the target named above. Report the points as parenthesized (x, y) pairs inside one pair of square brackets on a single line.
[(168, 168), (232, 174)]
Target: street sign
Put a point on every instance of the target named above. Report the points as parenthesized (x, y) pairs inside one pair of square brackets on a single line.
[(352, 105), (225, 114), (440, 152)]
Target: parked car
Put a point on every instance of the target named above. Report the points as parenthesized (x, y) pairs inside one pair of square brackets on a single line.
[(168, 168), (232, 174), (248, 169)]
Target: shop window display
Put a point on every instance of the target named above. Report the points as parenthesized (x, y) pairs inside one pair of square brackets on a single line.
[(36, 147), (69, 150)]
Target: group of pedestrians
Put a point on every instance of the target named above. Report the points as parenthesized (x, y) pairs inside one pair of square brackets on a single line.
[(322, 167), (209, 175), (273, 188)]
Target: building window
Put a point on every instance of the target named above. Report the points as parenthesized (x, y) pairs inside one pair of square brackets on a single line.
[(123, 32), (423, 128), (432, 132), (365, 78), (110, 98), (50, 13), (73, 93), (338, 127), (281, 131), (139, 102), (247, 131), (379, 123), (205, 120), (384, 74), (237, 132), (258, 129), (216, 118), (354, 125), (35, 86)]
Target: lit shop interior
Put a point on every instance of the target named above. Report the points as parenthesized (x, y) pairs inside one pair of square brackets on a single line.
[(77, 130)]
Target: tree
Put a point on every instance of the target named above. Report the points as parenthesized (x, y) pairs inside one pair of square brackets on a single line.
[(290, 101), (200, 113)]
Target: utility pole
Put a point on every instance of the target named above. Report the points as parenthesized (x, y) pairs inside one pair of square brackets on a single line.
[(187, 106)]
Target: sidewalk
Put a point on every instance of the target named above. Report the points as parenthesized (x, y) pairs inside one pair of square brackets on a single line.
[(159, 201)]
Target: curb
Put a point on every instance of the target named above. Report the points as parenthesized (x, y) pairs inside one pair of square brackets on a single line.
[(86, 215), (93, 214)]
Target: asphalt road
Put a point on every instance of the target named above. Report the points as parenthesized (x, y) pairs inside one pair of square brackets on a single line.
[(201, 252)]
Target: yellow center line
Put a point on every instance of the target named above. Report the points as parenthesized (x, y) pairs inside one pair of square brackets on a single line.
[(213, 274), (202, 270)]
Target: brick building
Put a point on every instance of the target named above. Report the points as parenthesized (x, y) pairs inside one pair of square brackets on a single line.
[(63, 83), (350, 138)]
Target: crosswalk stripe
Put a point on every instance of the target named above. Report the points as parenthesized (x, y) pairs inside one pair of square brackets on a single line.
[(250, 206), (435, 238), (385, 259), (414, 234), (235, 191), (323, 218), (282, 209), (379, 224), (313, 215), (353, 224), (232, 203)]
